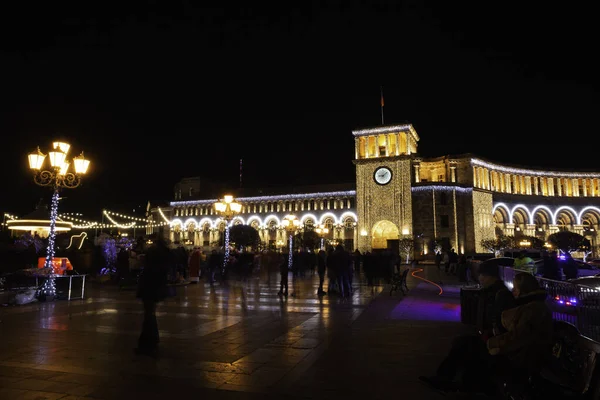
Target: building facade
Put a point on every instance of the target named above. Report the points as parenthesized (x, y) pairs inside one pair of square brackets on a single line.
[(457, 201)]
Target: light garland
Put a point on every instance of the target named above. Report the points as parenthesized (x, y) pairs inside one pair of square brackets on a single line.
[(116, 223), (428, 188), (125, 216), (52, 234), (290, 255), (387, 129), (346, 193), (162, 214), (522, 171), (577, 215)]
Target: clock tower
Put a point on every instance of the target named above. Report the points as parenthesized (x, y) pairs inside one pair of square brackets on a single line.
[(383, 159)]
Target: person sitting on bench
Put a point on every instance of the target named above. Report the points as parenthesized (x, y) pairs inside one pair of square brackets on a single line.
[(525, 346), (458, 370)]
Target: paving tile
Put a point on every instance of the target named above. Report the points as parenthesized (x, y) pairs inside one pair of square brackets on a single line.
[(236, 342)]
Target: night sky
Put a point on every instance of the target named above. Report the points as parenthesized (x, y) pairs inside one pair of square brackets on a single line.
[(157, 91)]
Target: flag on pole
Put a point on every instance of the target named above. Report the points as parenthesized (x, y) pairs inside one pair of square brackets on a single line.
[(382, 96)]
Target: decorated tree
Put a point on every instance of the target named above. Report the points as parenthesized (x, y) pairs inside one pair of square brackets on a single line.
[(406, 247), (534, 242), (568, 242), (498, 244), (244, 236)]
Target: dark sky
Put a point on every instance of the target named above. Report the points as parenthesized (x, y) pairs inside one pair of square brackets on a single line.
[(157, 91)]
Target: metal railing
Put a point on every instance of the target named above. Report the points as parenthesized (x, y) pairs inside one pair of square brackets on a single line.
[(569, 302)]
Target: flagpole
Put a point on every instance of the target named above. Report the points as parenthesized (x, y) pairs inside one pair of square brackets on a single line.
[(382, 120)]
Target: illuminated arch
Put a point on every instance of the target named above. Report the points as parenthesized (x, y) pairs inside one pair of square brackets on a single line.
[(524, 208), (503, 210), (308, 216), (254, 218), (382, 232), (348, 214), (327, 215), (546, 212), (238, 218), (190, 221), (272, 217), (567, 211), (175, 222), (205, 221), (591, 210)]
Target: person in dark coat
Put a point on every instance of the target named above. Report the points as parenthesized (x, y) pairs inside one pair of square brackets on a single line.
[(152, 288), (464, 357), (321, 268)]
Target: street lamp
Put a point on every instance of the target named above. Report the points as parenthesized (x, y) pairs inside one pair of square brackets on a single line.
[(290, 223), (56, 177), (321, 231), (227, 209)]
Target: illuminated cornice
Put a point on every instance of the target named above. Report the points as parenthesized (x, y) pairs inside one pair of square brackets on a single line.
[(427, 188), (523, 171), (282, 197), (387, 129)]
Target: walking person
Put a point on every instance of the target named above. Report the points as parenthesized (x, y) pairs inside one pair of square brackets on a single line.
[(152, 288), (321, 267)]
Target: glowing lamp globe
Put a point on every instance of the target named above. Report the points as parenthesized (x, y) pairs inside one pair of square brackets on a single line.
[(36, 159), (57, 158), (61, 146), (81, 164)]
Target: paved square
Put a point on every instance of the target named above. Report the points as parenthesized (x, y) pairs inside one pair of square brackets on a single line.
[(239, 340)]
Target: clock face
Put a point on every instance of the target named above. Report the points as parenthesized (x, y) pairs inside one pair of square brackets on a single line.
[(383, 175)]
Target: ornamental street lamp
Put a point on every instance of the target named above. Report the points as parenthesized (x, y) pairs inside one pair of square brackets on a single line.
[(291, 224), (322, 230), (56, 177), (227, 209)]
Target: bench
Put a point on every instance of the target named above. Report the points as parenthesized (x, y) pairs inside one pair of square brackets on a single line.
[(570, 372), (399, 282)]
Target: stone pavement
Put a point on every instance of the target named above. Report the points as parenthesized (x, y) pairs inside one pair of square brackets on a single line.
[(236, 341)]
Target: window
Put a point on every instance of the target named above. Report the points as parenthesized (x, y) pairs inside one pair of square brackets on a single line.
[(443, 199), (445, 221), (440, 178), (191, 192)]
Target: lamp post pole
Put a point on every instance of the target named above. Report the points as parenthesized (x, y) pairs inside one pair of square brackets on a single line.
[(321, 231), (56, 177), (291, 224), (228, 209)]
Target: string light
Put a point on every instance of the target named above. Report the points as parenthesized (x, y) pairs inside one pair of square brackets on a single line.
[(52, 234), (387, 129), (346, 193), (522, 171), (163, 216), (441, 187)]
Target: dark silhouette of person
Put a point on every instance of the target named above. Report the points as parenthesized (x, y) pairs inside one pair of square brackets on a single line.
[(550, 267), (321, 268), (152, 288)]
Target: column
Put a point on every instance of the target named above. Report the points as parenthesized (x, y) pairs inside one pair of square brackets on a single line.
[(559, 186), (536, 185), (585, 185), (407, 143), (417, 173), (507, 183), (578, 229), (530, 229), (576, 187), (509, 229), (453, 173), (376, 146), (171, 235)]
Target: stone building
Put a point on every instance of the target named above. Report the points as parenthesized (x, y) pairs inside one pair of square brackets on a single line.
[(457, 201)]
